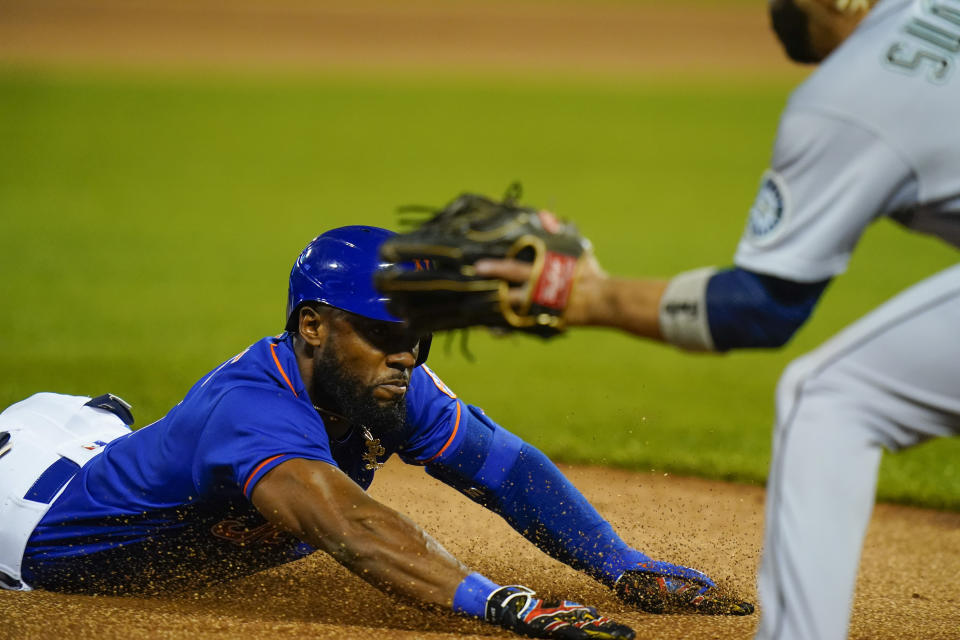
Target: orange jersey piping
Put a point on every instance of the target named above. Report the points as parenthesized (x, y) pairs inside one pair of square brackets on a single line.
[(456, 425), (273, 352), (260, 466)]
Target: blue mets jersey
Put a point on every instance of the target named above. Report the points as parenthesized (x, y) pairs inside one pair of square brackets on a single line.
[(168, 505)]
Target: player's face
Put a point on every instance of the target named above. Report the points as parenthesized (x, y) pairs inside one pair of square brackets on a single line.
[(380, 355), (811, 29), (363, 370)]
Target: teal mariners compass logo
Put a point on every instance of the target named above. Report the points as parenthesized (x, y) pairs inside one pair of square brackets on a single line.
[(769, 210)]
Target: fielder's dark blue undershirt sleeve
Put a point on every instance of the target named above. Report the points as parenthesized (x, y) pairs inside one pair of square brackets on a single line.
[(472, 595), (512, 478), (747, 309)]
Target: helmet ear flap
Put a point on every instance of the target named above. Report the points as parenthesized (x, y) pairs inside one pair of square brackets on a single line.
[(293, 319), (424, 350)]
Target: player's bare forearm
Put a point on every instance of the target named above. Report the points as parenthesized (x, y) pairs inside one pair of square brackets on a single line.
[(322, 506), (630, 305), (391, 552)]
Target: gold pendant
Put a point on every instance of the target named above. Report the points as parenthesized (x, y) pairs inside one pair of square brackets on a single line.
[(374, 451)]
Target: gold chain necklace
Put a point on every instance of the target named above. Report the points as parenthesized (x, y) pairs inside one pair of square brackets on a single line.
[(374, 448)]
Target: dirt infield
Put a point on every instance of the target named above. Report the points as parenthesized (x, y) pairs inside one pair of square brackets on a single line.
[(424, 35), (907, 587)]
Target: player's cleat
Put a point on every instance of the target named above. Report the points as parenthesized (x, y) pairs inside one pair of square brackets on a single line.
[(661, 587)]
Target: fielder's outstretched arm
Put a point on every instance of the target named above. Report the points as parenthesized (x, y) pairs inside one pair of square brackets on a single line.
[(702, 310)]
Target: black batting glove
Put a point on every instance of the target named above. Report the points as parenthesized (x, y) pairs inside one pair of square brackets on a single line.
[(516, 608), (662, 587)]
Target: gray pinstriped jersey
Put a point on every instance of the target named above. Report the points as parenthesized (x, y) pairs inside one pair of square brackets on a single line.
[(875, 131)]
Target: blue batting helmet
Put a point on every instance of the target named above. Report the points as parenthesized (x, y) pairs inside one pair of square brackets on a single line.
[(337, 269)]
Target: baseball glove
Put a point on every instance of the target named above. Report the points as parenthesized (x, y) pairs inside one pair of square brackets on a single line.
[(434, 285)]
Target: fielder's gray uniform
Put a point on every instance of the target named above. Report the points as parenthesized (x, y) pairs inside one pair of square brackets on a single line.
[(874, 132)]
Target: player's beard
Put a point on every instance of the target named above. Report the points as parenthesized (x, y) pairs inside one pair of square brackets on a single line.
[(793, 29), (347, 395)]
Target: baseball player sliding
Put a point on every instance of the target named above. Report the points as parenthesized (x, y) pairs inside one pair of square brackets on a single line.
[(874, 132), (267, 457)]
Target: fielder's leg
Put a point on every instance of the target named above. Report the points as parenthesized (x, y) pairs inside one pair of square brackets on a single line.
[(888, 381)]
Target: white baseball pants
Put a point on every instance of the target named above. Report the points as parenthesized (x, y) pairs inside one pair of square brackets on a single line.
[(890, 380), (52, 436)]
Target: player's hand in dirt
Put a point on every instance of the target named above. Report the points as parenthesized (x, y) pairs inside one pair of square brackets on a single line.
[(661, 587), (518, 609)]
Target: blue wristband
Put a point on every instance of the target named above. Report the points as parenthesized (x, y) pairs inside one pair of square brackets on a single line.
[(472, 594)]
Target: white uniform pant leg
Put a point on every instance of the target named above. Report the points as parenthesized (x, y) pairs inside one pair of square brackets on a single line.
[(45, 429), (890, 380)]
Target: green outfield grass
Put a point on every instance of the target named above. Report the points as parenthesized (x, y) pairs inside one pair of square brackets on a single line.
[(148, 223)]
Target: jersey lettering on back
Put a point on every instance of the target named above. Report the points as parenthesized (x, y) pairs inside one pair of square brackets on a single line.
[(934, 44), (872, 133)]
